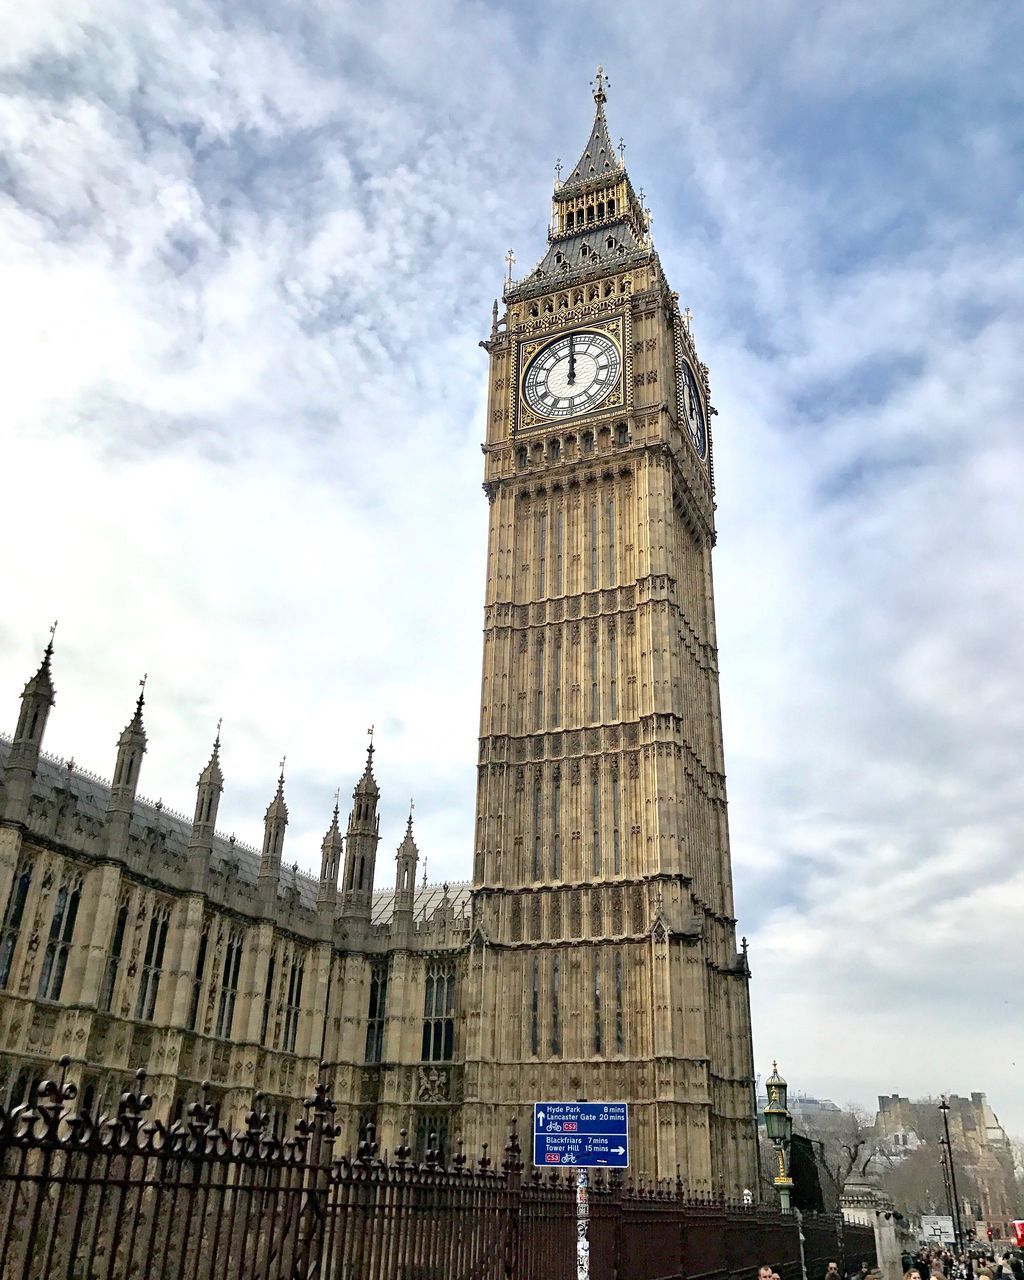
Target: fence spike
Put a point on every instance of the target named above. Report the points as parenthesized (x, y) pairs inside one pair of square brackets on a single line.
[(484, 1163)]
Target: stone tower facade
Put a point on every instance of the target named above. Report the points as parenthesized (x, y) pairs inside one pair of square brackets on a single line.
[(593, 955), (607, 965)]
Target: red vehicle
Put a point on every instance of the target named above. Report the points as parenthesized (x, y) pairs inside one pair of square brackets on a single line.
[(1018, 1234)]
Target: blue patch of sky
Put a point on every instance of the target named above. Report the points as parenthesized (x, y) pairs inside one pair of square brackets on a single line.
[(870, 384)]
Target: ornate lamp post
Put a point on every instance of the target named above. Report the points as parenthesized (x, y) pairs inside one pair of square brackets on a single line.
[(779, 1125), (944, 1108)]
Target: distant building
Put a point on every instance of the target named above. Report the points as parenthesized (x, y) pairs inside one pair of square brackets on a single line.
[(981, 1149)]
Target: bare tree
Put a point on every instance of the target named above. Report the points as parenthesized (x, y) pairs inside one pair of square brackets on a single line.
[(848, 1142)]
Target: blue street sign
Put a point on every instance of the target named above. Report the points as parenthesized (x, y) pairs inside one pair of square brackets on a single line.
[(585, 1135)]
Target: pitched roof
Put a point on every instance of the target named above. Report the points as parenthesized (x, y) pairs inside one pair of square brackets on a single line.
[(598, 156)]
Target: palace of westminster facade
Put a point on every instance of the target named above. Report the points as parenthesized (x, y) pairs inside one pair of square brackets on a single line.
[(593, 954)]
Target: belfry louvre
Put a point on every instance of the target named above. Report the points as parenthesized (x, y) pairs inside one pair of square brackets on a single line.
[(593, 953)]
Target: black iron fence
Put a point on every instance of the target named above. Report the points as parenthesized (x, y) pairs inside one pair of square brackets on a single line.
[(121, 1197)]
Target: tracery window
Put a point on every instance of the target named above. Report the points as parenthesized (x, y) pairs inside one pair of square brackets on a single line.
[(229, 984), (427, 1123), (595, 692), (616, 839), (556, 1012), (620, 1031), (12, 919), (114, 958), (542, 553), (268, 999), (293, 1004), (559, 548), (536, 828), (152, 964), (556, 683), (609, 516), (377, 1010), (556, 823), (58, 946), (535, 1007), (593, 545), (439, 1013), (598, 1023), (595, 808), (197, 980), (613, 668)]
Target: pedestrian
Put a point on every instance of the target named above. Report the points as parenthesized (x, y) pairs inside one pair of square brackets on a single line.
[(832, 1272)]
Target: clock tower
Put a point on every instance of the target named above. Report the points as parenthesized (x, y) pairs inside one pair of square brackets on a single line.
[(603, 962)]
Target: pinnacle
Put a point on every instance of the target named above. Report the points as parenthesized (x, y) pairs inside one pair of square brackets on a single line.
[(598, 156)]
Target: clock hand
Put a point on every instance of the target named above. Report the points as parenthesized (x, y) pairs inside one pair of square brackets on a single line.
[(572, 362)]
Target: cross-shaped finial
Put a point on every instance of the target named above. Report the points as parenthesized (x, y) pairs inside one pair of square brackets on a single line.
[(53, 630), (558, 172), (599, 83), (142, 682), (688, 319), (510, 257), (337, 798), (622, 151), (412, 806), (424, 873), (281, 767), (71, 764)]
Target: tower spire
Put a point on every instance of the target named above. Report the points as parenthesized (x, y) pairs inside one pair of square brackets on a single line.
[(274, 823), (330, 859), (23, 758), (131, 747), (361, 842), (208, 790)]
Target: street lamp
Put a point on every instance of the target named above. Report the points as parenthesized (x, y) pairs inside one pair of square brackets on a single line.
[(944, 1108), (779, 1125)]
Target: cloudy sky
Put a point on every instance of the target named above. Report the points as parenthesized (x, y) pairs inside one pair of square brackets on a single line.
[(247, 251)]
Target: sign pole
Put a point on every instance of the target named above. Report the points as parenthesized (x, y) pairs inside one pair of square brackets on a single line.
[(582, 1225)]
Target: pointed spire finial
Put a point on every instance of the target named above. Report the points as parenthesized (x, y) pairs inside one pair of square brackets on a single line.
[(142, 690), (510, 258), (216, 741), (408, 825), (599, 83), (558, 172), (337, 802), (53, 632), (622, 153), (424, 873), (280, 775)]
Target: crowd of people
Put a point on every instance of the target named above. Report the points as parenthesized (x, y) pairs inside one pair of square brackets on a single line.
[(932, 1264), (942, 1264)]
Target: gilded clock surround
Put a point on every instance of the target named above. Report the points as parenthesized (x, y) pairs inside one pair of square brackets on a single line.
[(523, 417)]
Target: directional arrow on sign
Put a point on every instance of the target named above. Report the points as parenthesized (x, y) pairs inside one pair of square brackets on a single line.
[(617, 1151)]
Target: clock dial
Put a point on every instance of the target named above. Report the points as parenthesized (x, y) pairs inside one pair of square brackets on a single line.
[(572, 375), (691, 408)]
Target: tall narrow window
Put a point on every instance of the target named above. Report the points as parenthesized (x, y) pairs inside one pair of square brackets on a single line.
[(152, 964), (542, 554), (114, 958), (375, 1016), (538, 697), (559, 552), (556, 1012), (12, 920), (595, 808), (535, 1008), (598, 1025), (62, 929), (536, 829), (268, 999), (197, 979), (556, 683), (229, 985), (439, 1014), (616, 839), (556, 824), (620, 1033), (593, 545), (595, 693), (613, 678), (609, 520), (293, 1005)]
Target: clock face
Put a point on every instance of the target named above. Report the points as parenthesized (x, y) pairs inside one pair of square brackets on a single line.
[(691, 407), (572, 375)]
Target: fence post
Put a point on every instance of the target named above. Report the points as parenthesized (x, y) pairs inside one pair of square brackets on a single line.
[(319, 1129), (512, 1166)]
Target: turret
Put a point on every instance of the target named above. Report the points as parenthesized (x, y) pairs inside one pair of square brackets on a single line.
[(131, 747), (361, 844), (23, 759), (274, 822), (330, 859), (209, 787), (405, 879)]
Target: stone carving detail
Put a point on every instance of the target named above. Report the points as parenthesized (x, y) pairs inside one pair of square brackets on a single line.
[(432, 1085)]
